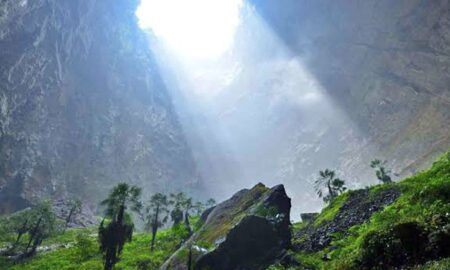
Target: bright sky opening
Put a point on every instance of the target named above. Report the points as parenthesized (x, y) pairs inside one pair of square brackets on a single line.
[(193, 29)]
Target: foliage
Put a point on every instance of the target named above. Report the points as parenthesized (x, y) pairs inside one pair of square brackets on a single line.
[(85, 247), (122, 195), (334, 186), (25, 231), (381, 171), (113, 235), (210, 203), (75, 208), (135, 255), (156, 214), (177, 213), (424, 198)]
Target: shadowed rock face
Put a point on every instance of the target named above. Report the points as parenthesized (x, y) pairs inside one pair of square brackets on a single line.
[(82, 105), (385, 63), (252, 243), (247, 232)]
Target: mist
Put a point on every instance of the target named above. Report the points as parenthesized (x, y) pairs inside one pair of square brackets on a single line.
[(255, 113)]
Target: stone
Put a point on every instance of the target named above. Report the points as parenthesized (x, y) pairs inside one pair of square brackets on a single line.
[(249, 231)]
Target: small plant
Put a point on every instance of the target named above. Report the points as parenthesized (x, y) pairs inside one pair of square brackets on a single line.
[(85, 247), (381, 171), (334, 186)]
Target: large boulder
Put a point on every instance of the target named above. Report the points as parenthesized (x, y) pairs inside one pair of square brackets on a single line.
[(247, 232)]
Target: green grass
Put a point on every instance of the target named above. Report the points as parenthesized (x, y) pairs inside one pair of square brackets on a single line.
[(87, 257), (423, 196), (329, 212)]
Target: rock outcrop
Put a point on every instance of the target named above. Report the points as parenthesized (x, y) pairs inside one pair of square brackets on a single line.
[(247, 232), (82, 105), (357, 209)]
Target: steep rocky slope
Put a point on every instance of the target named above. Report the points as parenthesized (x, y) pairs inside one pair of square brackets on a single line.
[(402, 225), (82, 105), (248, 231)]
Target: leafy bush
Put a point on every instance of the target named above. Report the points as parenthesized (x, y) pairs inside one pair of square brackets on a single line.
[(86, 247)]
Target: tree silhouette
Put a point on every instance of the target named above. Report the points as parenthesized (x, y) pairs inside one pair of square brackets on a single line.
[(156, 214), (119, 230), (198, 207), (75, 208), (42, 224), (334, 186), (210, 203), (381, 171)]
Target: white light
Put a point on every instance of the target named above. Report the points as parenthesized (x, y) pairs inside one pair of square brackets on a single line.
[(193, 28)]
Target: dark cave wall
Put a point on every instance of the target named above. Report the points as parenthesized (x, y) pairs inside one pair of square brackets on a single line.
[(82, 105)]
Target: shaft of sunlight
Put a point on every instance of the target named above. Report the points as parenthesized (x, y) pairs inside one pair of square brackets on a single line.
[(254, 114)]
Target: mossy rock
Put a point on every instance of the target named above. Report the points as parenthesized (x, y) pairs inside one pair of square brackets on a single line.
[(254, 222)]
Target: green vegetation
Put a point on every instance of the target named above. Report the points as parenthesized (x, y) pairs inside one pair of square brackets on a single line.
[(221, 225), (114, 234), (329, 212), (421, 210), (381, 171), (109, 247), (334, 186), (81, 252), (24, 232), (75, 209), (156, 214), (413, 230)]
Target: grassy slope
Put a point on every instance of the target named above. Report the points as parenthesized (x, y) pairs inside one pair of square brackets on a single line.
[(423, 195), (136, 255)]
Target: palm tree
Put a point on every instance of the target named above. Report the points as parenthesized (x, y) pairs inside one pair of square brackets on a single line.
[(210, 203), (381, 171), (156, 214), (178, 200), (334, 186), (114, 235)]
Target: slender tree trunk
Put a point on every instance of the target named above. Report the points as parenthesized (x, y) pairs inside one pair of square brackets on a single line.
[(20, 233), (187, 223), (33, 234), (154, 228), (121, 214), (330, 190), (110, 258), (69, 217), (190, 258)]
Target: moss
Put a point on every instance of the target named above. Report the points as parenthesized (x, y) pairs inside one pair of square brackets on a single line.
[(220, 226), (332, 209), (270, 212), (423, 196)]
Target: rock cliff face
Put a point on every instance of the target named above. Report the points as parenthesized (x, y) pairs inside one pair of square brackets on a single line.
[(82, 105), (249, 231), (385, 63)]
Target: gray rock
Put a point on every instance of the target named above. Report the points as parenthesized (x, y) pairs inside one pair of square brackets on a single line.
[(82, 105)]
